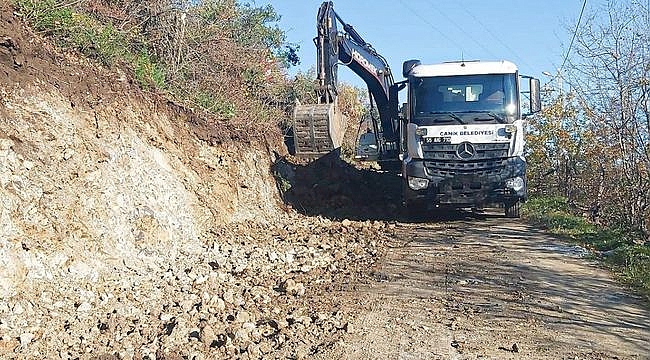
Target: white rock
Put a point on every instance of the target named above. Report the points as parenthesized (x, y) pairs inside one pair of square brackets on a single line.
[(18, 309), (208, 335), (25, 339), (229, 296), (68, 154), (243, 316), (84, 307), (293, 288), (218, 304), (273, 256)]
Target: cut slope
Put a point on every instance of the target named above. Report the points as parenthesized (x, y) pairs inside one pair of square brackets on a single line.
[(131, 227), (85, 157)]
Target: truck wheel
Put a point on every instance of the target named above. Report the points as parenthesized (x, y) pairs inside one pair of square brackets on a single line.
[(513, 210)]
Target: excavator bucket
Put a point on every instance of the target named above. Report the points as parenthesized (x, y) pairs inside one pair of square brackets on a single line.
[(317, 129)]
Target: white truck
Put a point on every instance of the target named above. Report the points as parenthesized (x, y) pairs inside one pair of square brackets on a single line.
[(463, 135)]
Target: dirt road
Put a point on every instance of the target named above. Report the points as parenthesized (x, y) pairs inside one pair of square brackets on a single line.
[(491, 288)]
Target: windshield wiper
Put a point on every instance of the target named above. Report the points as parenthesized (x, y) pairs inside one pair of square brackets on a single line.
[(491, 114), (498, 117), (450, 114)]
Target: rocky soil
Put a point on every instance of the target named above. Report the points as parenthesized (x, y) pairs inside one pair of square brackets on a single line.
[(132, 228)]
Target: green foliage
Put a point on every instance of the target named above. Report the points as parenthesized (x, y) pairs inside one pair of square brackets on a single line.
[(251, 27), (46, 15), (590, 144), (103, 43), (75, 30), (148, 73), (635, 260), (303, 87), (225, 56), (214, 104), (615, 247), (254, 27)]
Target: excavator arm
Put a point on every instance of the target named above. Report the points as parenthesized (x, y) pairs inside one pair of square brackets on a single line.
[(319, 128)]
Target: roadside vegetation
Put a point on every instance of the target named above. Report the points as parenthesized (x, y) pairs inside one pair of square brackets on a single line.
[(221, 57), (618, 248), (589, 152)]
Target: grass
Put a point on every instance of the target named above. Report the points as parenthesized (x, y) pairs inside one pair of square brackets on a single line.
[(215, 104), (99, 41), (614, 247), (147, 72), (74, 30)]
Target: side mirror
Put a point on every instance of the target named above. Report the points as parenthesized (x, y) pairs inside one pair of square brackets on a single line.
[(408, 66), (535, 100), (393, 101)]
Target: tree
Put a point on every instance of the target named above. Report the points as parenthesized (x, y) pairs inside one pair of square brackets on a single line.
[(604, 144)]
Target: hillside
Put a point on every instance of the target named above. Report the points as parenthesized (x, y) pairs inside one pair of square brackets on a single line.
[(132, 227)]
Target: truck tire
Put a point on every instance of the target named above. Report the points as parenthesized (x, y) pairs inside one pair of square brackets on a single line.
[(513, 210)]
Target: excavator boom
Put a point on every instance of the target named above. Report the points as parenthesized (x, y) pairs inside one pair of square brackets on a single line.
[(320, 128)]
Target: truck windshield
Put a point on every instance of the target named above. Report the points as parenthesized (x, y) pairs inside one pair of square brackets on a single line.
[(466, 99)]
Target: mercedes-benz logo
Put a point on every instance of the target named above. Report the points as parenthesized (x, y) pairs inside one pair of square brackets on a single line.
[(465, 151)]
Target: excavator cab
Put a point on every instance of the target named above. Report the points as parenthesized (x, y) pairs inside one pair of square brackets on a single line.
[(367, 147)]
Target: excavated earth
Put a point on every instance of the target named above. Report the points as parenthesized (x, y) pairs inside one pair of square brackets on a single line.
[(133, 228)]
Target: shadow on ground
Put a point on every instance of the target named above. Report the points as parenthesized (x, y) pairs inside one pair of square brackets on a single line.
[(335, 189)]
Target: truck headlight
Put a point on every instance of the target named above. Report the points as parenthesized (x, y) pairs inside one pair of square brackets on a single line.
[(421, 131), (515, 184), (418, 183)]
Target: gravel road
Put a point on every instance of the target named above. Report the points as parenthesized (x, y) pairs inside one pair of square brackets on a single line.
[(490, 288)]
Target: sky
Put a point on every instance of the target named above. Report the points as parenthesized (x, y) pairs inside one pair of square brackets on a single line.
[(533, 34)]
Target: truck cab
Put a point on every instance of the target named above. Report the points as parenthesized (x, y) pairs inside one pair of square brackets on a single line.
[(463, 135)]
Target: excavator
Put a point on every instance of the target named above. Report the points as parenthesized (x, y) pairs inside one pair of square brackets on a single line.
[(319, 128), (459, 139)]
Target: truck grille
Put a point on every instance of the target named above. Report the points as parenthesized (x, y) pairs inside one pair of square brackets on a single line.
[(448, 151), (441, 159)]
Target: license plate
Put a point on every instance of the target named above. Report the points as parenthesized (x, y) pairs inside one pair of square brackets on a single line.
[(437, 140)]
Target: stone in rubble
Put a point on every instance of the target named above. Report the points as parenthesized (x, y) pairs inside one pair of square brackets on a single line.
[(293, 288), (302, 352), (349, 328), (8, 344), (229, 296), (25, 339), (208, 335), (243, 317)]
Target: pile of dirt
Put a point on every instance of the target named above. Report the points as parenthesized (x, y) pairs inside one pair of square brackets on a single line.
[(134, 228), (338, 190)]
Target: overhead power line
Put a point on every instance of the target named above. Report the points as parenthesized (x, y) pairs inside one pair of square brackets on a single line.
[(431, 25), (486, 49), (494, 36), (575, 33)]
